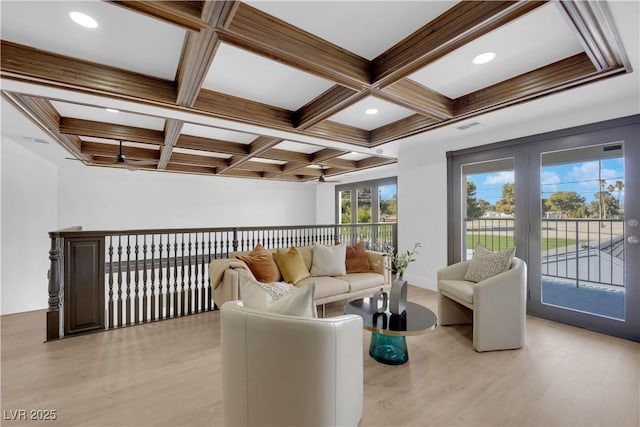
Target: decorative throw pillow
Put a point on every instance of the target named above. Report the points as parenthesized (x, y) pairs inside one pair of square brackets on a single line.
[(329, 260), (486, 263), (357, 259), (291, 265), (295, 302), (260, 262)]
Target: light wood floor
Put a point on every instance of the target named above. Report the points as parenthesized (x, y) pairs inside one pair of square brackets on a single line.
[(168, 374)]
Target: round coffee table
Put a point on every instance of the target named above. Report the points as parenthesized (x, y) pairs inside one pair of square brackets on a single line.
[(388, 331)]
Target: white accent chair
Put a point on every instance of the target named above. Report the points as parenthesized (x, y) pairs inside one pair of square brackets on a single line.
[(496, 306), (280, 370)]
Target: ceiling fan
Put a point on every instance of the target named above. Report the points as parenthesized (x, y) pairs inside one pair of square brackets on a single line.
[(122, 161)]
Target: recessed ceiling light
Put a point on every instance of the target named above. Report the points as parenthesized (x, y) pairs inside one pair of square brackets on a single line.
[(112, 110), (371, 111), (483, 58), (355, 153), (83, 19)]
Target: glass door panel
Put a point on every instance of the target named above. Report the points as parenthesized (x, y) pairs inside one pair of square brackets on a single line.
[(388, 203), (582, 231), (345, 216), (489, 207), (363, 202)]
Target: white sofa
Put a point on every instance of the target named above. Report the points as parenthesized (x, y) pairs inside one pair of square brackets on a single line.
[(496, 306), (328, 288), (282, 370)]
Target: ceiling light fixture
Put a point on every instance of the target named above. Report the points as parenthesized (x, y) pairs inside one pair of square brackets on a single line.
[(483, 58), (83, 19), (112, 110), (371, 111)]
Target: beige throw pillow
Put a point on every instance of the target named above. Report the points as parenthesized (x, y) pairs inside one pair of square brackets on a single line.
[(291, 265), (486, 263), (329, 260), (295, 302)]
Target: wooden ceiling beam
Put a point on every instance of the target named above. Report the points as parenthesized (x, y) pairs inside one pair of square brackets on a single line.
[(202, 170), (211, 145), (111, 151), (340, 163), (324, 106), (255, 31), (74, 73), (326, 154), (418, 98), (108, 161), (550, 78), (593, 25), (464, 22), (256, 147), (200, 48), (259, 167), (185, 14), (172, 129), (334, 130), (44, 115), (286, 155), (373, 161), (245, 173), (94, 129), (193, 159), (401, 128), (287, 169)]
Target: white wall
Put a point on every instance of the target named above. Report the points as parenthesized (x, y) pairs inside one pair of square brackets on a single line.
[(106, 198), (29, 212)]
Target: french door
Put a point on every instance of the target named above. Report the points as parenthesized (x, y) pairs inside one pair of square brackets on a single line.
[(574, 220)]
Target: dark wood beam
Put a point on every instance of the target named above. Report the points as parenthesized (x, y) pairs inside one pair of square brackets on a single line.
[(551, 78), (172, 129), (374, 161), (256, 147), (211, 145), (111, 151), (593, 25), (401, 128), (340, 163), (32, 63), (330, 102), (185, 14), (109, 162), (200, 48), (244, 174), (464, 22), (255, 31), (94, 129), (202, 170), (193, 159), (44, 115), (286, 155), (418, 98), (339, 131), (259, 167), (326, 154)]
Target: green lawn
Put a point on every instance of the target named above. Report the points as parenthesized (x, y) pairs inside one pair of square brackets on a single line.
[(502, 242)]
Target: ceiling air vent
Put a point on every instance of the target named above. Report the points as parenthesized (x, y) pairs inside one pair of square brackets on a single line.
[(468, 125)]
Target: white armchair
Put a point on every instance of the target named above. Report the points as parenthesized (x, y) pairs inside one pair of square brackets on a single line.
[(496, 306), (282, 370)]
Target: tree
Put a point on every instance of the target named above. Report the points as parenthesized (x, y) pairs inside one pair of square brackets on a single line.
[(507, 203), (605, 203), (566, 202), (474, 211)]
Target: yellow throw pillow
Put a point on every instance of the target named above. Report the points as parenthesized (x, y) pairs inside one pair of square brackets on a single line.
[(291, 265)]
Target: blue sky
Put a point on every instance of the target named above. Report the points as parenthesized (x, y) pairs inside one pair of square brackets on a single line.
[(580, 177), (387, 191)]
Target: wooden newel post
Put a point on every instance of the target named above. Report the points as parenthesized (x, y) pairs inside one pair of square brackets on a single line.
[(53, 313)]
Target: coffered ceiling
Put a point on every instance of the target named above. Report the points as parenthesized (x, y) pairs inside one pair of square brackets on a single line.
[(279, 89)]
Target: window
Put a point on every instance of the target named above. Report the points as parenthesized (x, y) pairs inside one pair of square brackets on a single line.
[(374, 201)]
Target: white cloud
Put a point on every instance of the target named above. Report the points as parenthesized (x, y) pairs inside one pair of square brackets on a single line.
[(550, 181), (505, 177), (587, 174)]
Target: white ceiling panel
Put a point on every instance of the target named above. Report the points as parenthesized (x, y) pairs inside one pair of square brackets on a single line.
[(354, 156), (536, 39), (274, 162), (296, 146), (366, 28), (201, 153), (355, 114), (131, 41), (116, 142), (217, 133), (240, 73), (97, 114)]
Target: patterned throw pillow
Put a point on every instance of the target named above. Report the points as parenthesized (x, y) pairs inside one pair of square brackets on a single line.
[(260, 262), (294, 302), (357, 259), (486, 263)]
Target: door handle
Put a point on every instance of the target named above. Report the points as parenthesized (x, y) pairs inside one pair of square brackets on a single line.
[(634, 240)]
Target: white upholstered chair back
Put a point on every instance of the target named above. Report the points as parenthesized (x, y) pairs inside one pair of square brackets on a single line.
[(290, 371)]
